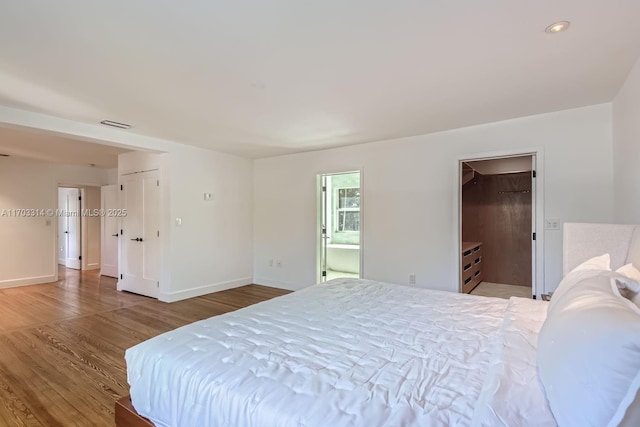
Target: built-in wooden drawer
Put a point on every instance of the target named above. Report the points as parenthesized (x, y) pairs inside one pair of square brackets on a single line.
[(471, 268)]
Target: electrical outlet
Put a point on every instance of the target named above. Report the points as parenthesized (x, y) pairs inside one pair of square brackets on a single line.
[(552, 224), (279, 264), (412, 279)]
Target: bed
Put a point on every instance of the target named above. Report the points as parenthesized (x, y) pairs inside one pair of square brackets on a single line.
[(364, 353)]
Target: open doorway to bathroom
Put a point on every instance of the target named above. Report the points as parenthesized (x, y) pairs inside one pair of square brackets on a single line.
[(340, 226)]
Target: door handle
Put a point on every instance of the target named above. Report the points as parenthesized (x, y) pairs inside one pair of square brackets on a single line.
[(66, 232), (115, 235), (137, 239)]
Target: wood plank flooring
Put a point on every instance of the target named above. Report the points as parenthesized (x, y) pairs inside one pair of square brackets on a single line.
[(62, 344)]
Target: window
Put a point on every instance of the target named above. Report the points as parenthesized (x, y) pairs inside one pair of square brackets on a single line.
[(348, 210)]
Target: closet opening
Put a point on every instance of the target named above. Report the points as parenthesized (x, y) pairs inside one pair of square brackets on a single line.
[(497, 221)]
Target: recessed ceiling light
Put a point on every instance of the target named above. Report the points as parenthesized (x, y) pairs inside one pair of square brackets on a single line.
[(116, 124), (557, 27)]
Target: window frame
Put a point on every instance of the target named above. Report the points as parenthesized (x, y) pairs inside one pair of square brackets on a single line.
[(345, 210)]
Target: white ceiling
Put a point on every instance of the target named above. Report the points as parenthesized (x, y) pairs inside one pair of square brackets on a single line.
[(54, 148), (260, 78)]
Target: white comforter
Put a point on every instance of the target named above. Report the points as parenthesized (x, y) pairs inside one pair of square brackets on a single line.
[(347, 353)]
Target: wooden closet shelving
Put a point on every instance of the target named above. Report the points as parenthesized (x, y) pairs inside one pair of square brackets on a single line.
[(471, 267)]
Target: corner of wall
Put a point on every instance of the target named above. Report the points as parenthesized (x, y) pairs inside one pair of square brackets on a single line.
[(626, 149), (203, 290)]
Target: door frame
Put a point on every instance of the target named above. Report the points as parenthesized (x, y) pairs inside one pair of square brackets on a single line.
[(537, 213), (79, 225), (84, 243), (319, 241)]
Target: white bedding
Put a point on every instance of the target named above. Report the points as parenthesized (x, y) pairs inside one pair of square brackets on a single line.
[(512, 394), (347, 353)]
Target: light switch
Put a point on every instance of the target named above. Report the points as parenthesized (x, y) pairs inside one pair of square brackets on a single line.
[(178, 222), (208, 197)]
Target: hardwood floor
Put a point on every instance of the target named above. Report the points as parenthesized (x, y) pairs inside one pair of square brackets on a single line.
[(62, 344)]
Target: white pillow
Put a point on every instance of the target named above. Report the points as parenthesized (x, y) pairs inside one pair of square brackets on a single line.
[(587, 269), (602, 262), (630, 288), (629, 271), (589, 356)]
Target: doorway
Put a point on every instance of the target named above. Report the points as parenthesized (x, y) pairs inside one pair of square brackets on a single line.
[(79, 227), (497, 219), (340, 226), (69, 229)]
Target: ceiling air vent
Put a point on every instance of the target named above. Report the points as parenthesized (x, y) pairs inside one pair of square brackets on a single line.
[(4, 155), (115, 124)]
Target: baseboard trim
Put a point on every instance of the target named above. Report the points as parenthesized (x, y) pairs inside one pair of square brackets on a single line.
[(278, 284), (13, 283), (203, 290), (108, 273)]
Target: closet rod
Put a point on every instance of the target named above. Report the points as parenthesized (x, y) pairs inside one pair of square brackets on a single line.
[(514, 191)]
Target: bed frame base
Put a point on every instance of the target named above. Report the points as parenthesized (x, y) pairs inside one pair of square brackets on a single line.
[(126, 415)]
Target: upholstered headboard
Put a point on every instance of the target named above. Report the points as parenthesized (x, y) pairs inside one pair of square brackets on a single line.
[(584, 241)]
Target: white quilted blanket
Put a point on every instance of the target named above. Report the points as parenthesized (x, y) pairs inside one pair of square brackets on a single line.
[(346, 353)]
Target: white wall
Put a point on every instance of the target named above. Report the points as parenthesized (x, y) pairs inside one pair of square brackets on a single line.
[(212, 249), (626, 149), (28, 253), (408, 188), (112, 176)]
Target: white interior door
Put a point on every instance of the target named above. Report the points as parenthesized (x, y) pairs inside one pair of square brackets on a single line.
[(62, 227), (110, 230), (90, 231), (72, 232), (140, 239)]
